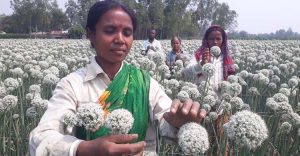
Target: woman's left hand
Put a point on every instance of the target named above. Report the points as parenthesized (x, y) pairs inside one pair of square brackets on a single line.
[(181, 113)]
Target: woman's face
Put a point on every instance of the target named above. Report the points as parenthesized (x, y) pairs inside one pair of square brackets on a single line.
[(215, 39), (113, 36), (175, 44)]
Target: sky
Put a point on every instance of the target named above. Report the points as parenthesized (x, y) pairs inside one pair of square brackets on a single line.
[(254, 16)]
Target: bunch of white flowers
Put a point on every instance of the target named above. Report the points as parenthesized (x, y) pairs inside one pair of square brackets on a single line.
[(215, 50), (193, 93), (119, 121), (235, 89), (90, 116), (208, 69), (293, 118), (285, 91), (34, 89), (8, 102), (70, 119), (163, 68), (293, 82), (210, 100), (11, 84), (173, 84), (285, 128), (272, 86), (237, 103), (3, 92), (17, 72), (246, 128), (232, 79), (50, 79), (183, 95), (253, 91), (158, 58), (193, 139)]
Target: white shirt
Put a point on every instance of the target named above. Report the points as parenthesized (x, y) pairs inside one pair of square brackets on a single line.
[(215, 80), (156, 45), (86, 85)]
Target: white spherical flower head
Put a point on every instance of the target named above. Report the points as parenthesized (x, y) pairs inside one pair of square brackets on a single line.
[(235, 89), (246, 128), (50, 79), (9, 102), (279, 97), (193, 93), (70, 119), (183, 95), (285, 91), (119, 121), (209, 99), (237, 102), (34, 89), (90, 116), (193, 139), (208, 69), (215, 50), (285, 128), (293, 82)]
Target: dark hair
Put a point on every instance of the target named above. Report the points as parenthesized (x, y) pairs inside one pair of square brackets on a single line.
[(150, 29), (101, 7), (224, 46), (173, 38)]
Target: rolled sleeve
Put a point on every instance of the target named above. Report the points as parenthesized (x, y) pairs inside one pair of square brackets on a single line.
[(160, 104), (51, 137)]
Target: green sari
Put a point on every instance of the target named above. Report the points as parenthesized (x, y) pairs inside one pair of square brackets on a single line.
[(128, 90)]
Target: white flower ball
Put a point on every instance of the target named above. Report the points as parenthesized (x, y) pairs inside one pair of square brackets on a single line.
[(208, 69), (70, 119), (215, 50), (90, 115), (193, 139), (183, 95), (246, 128), (119, 121)]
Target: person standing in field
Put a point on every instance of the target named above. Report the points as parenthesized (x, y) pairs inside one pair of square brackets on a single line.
[(223, 62), (112, 83), (152, 45)]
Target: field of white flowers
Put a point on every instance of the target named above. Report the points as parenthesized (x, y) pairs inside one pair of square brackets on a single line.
[(259, 106)]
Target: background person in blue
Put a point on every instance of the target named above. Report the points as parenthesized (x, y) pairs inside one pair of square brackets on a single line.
[(176, 52)]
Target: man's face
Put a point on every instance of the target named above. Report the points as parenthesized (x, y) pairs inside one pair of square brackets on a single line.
[(152, 34)]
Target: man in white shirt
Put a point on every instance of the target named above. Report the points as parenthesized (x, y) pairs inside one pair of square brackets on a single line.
[(151, 45)]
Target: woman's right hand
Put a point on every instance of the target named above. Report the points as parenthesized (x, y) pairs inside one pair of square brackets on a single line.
[(205, 56), (112, 145)]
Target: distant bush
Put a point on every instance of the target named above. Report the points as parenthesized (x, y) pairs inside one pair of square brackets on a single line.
[(76, 32)]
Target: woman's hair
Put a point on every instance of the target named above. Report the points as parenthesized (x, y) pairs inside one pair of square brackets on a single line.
[(174, 37), (101, 7), (224, 46), (227, 59)]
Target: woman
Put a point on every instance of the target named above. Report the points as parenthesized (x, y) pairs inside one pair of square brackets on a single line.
[(110, 28), (176, 52), (216, 36)]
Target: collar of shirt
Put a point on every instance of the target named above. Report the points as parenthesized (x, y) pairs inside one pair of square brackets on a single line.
[(94, 69)]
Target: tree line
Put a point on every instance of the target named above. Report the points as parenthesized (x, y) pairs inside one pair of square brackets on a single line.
[(280, 34), (185, 18)]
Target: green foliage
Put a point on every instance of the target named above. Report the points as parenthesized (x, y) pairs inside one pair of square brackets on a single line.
[(76, 32), (184, 18)]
